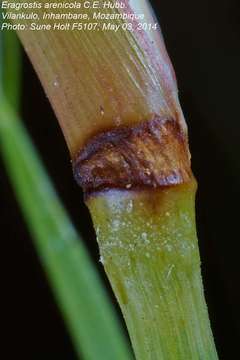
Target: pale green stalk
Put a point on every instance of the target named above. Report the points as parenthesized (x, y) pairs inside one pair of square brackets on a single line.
[(116, 99), (149, 249)]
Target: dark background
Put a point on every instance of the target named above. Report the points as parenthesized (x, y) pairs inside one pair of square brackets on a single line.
[(203, 41)]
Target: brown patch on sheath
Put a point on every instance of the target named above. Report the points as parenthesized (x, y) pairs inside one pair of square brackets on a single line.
[(151, 154)]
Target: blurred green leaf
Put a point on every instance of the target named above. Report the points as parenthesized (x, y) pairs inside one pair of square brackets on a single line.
[(79, 291), (10, 67), (12, 73)]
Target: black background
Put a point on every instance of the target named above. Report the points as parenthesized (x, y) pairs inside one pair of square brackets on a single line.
[(203, 41)]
